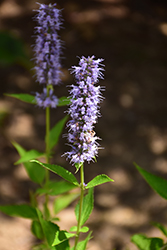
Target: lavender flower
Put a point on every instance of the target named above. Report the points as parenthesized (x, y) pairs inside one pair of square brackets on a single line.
[(47, 53), (84, 110), (46, 101), (48, 45)]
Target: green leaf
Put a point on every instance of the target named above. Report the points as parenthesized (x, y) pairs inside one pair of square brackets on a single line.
[(23, 210), (55, 132), (82, 244), (161, 227), (63, 101), (157, 183), (87, 207), (62, 236), (82, 230), (37, 230), (24, 97), (35, 172), (50, 229), (29, 155), (56, 188), (98, 180), (64, 201), (144, 243), (65, 174)]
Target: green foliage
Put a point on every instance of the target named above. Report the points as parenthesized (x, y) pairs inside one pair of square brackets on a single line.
[(162, 228), (35, 172), (49, 230), (24, 97), (87, 207), (82, 244), (56, 188), (82, 230), (63, 101), (98, 180), (56, 131), (36, 229), (23, 210), (63, 201), (65, 174), (157, 183), (62, 236), (145, 243), (29, 155)]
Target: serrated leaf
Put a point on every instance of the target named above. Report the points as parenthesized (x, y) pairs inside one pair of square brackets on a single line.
[(36, 229), (62, 236), (98, 180), (161, 227), (82, 244), (23, 210), (56, 188), (35, 172), (29, 155), (64, 201), (145, 243), (87, 207), (63, 101), (24, 97), (55, 132), (158, 184), (82, 230), (65, 174)]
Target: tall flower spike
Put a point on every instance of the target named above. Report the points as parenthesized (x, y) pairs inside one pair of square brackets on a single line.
[(84, 110), (48, 45)]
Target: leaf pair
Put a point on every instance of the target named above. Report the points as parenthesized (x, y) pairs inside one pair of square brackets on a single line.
[(68, 176)]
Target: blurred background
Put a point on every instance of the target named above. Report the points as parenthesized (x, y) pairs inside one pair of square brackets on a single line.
[(131, 35)]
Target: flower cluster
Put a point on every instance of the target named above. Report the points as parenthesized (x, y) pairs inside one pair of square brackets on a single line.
[(46, 101), (84, 110), (47, 48)]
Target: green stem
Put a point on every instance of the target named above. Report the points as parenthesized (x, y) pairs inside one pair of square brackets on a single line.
[(47, 151), (80, 206)]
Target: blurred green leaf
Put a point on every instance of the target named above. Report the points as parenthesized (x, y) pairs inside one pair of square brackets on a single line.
[(37, 230), (35, 172), (157, 183), (64, 201), (145, 243), (55, 132), (56, 188), (98, 180), (23, 97), (23, 210), (161, 227), (88, 203), (63, 101), (29, 155)]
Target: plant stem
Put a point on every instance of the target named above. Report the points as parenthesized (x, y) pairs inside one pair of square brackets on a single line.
[(80, 206), (47, 151)]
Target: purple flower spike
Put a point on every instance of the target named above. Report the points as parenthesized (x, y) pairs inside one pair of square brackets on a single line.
[(84, 110), (48, 45)]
